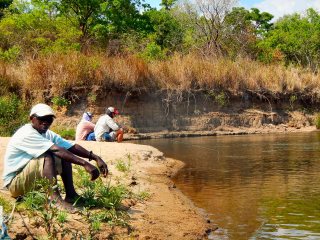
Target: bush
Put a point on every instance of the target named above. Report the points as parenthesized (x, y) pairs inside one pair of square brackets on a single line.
[(153, 52), (317, 121), (13, 114), (67, 133)]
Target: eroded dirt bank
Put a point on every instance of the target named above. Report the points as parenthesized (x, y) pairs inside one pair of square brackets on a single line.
[(173, 114)]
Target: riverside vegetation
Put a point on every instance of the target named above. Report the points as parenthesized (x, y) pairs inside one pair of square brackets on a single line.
[(49, 50), (102, 204)]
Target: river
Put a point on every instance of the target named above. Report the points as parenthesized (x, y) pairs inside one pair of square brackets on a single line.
[(252, 186)]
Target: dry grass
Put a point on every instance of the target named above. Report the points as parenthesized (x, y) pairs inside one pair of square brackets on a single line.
[(56, 74)]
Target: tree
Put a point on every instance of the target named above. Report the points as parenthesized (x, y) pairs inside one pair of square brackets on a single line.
[(244, 28), (166, 29), (167, 4), (4, 4), (82, 13), (35, 27), (297, 37), (208, 18)]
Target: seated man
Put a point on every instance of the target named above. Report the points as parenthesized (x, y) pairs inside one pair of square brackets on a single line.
[(36, 152), (85, 128), (106, 129)]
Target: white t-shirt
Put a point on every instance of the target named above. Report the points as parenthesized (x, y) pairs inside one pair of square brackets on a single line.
[(104, 124), (27, 143)]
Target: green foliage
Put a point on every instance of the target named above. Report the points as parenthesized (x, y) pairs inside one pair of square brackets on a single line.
[(153, 52), (7, 206), (219, 97), (67, 133), (143, 195), (60, 101), (34, 27), (317, 121), (82, 13), (97, 194), (38, 201), (167, 4), (244, 29), (122, 165), (297, 37), (4, 4), (10, 55), (292, 100), (13, 114), (167, 31)]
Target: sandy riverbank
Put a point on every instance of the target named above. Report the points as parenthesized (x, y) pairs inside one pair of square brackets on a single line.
[(167, 214)]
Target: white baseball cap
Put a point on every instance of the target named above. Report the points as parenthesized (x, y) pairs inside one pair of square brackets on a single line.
[(42, 110), (113, 110)]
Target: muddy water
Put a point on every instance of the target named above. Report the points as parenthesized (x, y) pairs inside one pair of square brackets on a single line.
[(253, 187)]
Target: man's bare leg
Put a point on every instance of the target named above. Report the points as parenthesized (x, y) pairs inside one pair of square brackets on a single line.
[(67, 179), (49, 172)]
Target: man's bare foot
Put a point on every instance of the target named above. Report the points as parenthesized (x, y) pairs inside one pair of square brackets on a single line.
[(63, 205), (92, 170), (75, 200)]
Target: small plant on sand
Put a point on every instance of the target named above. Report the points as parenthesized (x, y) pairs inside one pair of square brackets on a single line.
[(143, 195), (97, 193), (44, 210), (122, 165), (317, 121)]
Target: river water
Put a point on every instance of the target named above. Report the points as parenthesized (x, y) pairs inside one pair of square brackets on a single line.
[(253, 186)]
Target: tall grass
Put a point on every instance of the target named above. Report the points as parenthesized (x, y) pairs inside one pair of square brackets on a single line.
[(54, 75)]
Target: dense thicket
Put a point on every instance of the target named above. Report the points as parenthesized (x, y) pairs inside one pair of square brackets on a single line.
[(209, 27)]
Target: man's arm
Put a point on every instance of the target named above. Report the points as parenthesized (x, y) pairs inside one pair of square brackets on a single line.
[(82, 152), (69, 157)]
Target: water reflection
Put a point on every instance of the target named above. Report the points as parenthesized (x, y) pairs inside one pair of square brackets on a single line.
[(255, 187)]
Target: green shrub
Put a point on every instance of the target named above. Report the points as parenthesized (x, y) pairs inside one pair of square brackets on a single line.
[(153, 52), (219, 97), (60, 101), (122, 165), (317, 121), (68, 133), (13, 114), (45, 211), (98, 194), (10, 55)]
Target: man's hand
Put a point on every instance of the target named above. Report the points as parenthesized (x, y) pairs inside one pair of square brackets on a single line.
[(102, 166), (92, 170)]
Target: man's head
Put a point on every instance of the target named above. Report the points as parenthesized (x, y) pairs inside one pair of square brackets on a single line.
[(111, 111), (41, 116), (87, 116)]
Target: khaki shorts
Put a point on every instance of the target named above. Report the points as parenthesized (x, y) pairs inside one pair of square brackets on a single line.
[(24, 181)]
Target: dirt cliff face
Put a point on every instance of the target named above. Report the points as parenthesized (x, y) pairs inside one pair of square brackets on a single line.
[(162, 111)]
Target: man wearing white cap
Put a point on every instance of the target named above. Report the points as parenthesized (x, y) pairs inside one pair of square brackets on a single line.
[(36, 152), (107, 129)]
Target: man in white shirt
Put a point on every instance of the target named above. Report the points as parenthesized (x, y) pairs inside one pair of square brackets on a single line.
[(36, 152), (107, 129)]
